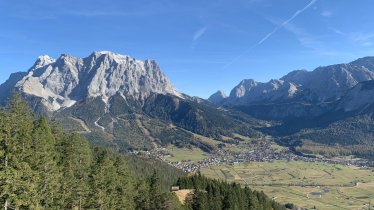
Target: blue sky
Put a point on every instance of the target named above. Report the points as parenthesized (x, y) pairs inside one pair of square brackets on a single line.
[(201, 45)]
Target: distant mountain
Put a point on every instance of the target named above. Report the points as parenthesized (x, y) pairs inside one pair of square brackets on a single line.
[(122, 102), (249, 91), (331, 82), (331, 105), (360, 98), (301, 93), (217, 97)]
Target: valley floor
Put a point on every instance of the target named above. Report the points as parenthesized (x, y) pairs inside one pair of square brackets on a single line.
[(326, 186)]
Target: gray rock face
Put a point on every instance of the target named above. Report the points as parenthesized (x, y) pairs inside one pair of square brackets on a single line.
[(7, 87), (62, 82), (331, 82), (324, 84), (358, 98), (306, 94), (250, 91), (217, 97)]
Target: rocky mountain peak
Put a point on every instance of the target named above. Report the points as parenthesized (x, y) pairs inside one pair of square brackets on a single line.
[(61, 83), (241, 89), (110, 56), (250, 91), (41, 61), (217, 97), (248, 83)]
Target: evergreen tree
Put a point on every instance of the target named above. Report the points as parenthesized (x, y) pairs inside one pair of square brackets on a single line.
[(76, 158), (124, 193), (143, 197), (103, 181), (158, 198), (17, 179), (200, 201), (44, 163)]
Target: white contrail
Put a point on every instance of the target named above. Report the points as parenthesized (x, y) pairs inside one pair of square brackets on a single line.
[(199, 33), (297, 13)]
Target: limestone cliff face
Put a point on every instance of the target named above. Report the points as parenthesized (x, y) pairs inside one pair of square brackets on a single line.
[(64, 81)]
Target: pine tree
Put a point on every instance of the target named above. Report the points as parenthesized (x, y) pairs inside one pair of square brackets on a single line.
[(124, 193), (76, 158), (22, 125), (158, 198), (200, 201), (44, 162), (103, 179), (17, 179), (143, 197)]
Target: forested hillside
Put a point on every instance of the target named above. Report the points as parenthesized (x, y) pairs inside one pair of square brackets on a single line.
[(41, 167), (45, 168), (215, 195)]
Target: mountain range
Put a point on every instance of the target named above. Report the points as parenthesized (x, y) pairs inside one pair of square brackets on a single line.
[(122, 102), (302, 93), (125, 103), (331, 105)]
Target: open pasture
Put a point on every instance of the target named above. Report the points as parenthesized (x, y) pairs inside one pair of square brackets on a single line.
[(306, 184)]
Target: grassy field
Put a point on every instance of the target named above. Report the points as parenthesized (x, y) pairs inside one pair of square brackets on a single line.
[(207, 140), (326, 186), (182, 195)]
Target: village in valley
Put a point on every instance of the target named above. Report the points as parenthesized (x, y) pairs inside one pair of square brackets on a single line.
[(262, 150), (280, 172)]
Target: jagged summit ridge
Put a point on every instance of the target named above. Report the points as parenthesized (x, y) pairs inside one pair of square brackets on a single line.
[(250, 91), (42, 61), (324, 84), (62, 82)]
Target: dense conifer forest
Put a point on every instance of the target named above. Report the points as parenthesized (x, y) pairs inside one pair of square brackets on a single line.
[(215, 195), (42, 167)]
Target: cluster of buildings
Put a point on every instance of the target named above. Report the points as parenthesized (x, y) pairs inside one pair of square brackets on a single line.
[(262, 151)]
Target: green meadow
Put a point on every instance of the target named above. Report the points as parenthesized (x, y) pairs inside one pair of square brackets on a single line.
[(325, 186)]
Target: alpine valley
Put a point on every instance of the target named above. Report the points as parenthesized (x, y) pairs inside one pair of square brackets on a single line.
[(308, 133), (124, 103), (332, 105)]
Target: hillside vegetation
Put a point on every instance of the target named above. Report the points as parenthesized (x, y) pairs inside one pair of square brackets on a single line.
[(41, 167), (212, 194)]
